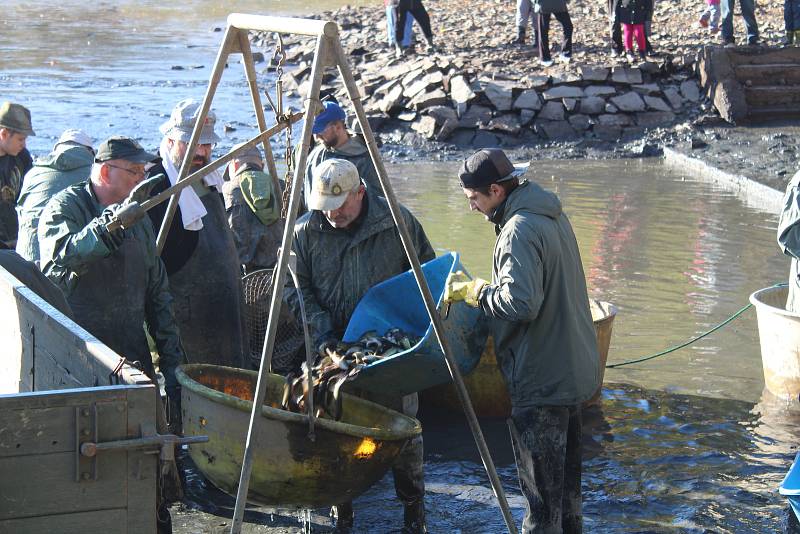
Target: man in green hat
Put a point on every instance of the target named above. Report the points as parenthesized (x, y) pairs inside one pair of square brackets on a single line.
[(15, 161)]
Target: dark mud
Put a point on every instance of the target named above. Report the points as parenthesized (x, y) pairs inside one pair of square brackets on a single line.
[(653, 462)]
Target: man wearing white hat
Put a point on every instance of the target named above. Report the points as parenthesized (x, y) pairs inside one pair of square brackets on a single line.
[(346, 244), (199, 252), (70, 162)]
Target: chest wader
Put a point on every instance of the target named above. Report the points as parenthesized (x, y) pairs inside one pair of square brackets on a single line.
[(207, 292), (109, 301)]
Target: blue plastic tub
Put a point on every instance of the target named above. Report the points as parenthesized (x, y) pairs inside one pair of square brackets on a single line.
[(397, 302), (790, 487)]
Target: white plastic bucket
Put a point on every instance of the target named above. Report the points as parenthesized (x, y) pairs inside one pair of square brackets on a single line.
[(779, 334)]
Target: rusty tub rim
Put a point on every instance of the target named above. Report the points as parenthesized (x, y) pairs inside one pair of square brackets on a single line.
[(186, 381)]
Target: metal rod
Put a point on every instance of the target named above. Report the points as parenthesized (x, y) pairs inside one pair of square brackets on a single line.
[(214, 165), (309, 359), (216, 75), (317, 69), (430, 305), (252, 82), (283, 24)]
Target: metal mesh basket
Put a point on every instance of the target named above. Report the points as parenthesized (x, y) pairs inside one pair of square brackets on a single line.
[(287, 355)]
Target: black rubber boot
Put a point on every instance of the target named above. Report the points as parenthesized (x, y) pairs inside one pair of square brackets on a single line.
[(414, 519), (343, 517), (520, 40)]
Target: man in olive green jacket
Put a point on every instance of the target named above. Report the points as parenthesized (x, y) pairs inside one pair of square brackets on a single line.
[(114, 281), (543, 333), (344, 246), (69, 163)]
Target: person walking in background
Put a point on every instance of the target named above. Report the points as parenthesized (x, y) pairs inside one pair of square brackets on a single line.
[(391, 22), (616, 28), (710, 17), (632, 14), (418, 11), (15, 161), (543, 10), (525, 12), (791, 21), (748, 8)]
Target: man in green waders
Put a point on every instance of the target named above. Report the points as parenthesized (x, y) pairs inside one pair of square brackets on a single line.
[(15, 161), (544, 338), (345, 245), (114, 281)]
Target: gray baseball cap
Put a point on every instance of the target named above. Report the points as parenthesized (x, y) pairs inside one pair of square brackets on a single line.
[(16, 117), (181, 123)]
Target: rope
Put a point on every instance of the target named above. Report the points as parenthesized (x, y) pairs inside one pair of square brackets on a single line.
[(687, 343)]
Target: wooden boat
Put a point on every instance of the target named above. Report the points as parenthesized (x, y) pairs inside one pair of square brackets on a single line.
[(779, 336), (397, 302), (289, 469), (485, 384)]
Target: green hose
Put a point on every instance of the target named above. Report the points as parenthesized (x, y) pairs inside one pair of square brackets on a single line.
[(687, 343)]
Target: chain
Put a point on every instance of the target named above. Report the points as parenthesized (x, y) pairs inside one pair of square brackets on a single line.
[(279, 58)]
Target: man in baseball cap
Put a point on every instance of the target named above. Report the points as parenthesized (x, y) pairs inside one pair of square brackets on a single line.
[(538, 309), (334, 140), (345, 245), (69, 163), (15, 161)]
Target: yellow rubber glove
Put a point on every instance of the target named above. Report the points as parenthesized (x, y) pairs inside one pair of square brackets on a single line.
[(460, 287)]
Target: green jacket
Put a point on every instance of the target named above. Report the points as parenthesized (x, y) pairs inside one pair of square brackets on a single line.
[(336, 267), (112, 291), (789, 238), (65, 166), (538, 305), (355, 151)]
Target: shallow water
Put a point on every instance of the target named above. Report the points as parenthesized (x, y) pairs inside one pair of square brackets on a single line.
[(681, 448)]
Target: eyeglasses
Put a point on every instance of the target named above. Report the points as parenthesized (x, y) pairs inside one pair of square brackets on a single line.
[(138, 172)]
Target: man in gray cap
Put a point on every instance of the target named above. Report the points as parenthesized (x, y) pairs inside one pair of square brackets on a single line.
[(334, 140), (544, 338), (199, 252), (113, 280), (69, 163), (15, 161), (346, 244), (254, 211)]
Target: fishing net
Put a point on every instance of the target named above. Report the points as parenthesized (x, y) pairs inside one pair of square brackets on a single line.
[(287, 355)]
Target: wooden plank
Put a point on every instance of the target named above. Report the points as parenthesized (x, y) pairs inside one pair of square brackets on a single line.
[(44, 484), (105, 521), (142, 469)]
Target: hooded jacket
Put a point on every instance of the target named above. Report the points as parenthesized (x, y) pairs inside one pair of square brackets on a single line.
[(634, 11), (789, 239), (336, 267), (538, 305), (355, 151), (65, 166)]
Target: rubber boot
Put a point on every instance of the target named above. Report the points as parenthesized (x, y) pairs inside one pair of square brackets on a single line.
[(797, 37), (789, 40), (431, 49), (343, 517), (414, 519), (520, 40)]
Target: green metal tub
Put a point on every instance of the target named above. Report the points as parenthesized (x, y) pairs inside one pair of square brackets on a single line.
[(289, 470)]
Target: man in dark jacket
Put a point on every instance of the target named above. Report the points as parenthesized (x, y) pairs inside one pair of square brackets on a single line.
[(113, 280), (15, 161), (544, 338), (344, 246), (199, 252), (557, 8), (335, 141)]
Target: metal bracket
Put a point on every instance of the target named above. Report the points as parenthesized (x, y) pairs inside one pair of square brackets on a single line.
[(149, 441)]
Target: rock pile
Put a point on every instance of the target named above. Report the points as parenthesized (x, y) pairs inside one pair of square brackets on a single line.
[(478, 91)]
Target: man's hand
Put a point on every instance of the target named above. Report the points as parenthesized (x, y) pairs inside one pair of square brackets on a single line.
[(461, 288), (130, 211), (141, 192)]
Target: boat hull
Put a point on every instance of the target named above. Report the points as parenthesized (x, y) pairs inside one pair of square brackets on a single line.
[(289, 469), (486, 387)]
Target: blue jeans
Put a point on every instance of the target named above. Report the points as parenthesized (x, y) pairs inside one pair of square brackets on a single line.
[(391, 20), (748, 14)]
